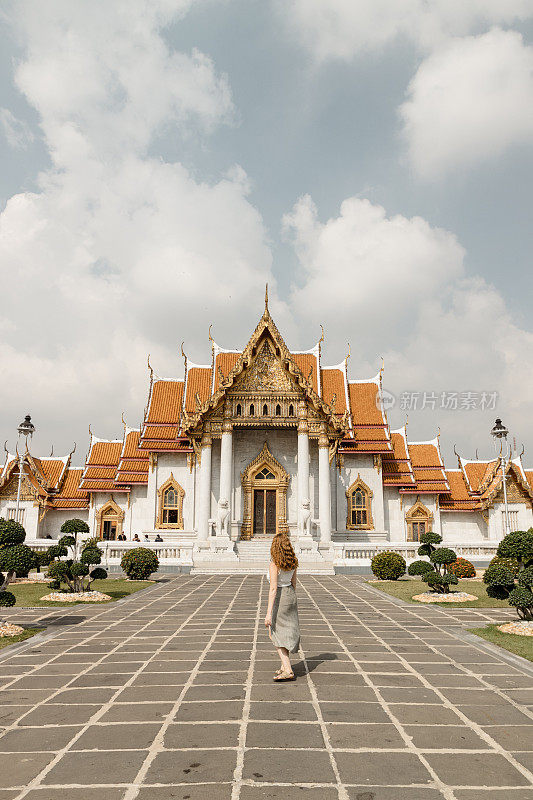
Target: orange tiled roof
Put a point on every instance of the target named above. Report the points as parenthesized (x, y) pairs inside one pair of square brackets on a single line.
[(224, 362), (370, 427), (101, 466), (198, 382), (428, 468), (70, 494), (162, 421), (333, 384), (397, 467), (307, 364), (458, 498), (476, 472), (52, 469), (134, 463)]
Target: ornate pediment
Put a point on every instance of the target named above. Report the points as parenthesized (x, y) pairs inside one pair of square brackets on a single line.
[(27, 491), (265, 375)]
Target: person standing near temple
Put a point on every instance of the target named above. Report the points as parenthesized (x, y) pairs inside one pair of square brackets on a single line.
[(282, 612)]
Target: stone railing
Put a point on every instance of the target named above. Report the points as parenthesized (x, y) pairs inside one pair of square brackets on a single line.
[(178, 553), (347, 554)]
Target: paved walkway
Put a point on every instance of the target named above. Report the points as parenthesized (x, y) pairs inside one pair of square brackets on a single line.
[(169, 695)]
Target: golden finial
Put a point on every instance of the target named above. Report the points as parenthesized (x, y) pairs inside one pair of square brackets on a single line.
[(90, 431), (266, 297), (72, 451), (51, 452), (150, 366), (322, 337), (349, 352), (124, 421), (210, 337)]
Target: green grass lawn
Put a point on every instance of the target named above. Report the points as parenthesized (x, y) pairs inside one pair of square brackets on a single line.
[(406, 588), (5, 641), (29, 594), (519, 645)]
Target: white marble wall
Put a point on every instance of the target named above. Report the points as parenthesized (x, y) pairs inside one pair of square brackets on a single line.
[(363, 466), (459, 526)]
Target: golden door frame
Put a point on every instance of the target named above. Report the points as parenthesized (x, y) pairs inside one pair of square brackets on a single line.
[(111, 512), (417, 513), (249, 483)]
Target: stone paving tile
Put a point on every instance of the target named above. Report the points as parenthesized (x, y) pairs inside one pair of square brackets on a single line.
[(171, 694)]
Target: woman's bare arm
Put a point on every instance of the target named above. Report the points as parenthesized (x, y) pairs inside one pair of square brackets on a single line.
[(273, 572), (293, 579)]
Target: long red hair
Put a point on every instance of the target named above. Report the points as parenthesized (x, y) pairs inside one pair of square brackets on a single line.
[(282, 553)]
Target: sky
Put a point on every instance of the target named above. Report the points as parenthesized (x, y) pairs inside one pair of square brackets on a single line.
[(372, 160)]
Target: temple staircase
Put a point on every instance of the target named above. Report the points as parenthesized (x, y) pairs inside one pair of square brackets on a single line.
[(254, 557)]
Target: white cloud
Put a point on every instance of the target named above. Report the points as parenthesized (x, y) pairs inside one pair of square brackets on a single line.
[(17, 132), (398, 288), (117, 254), (469, 101), (344, 28)]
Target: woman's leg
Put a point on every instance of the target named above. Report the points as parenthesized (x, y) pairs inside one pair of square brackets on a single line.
[(283, 654)]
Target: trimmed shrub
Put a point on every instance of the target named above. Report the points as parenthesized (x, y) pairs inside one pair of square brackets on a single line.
[(15, 557), (419, 568), (438, 582), (510, 563), (462, 568), (504, 582), (74, 526), (428, 541), (77, 575), (139, 563), (388, 566)]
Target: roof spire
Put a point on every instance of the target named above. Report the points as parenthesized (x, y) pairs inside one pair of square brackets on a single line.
[(266, 297)]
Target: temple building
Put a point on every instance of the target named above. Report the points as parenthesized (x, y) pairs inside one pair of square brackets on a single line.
[(264, 440)]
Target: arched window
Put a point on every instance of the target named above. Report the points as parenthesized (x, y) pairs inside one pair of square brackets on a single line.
[(265, 410), (359, 497), (278, 410), (109, 521), (252, 410), (419, 520), (291, 410), (239, 410), (170, 504)]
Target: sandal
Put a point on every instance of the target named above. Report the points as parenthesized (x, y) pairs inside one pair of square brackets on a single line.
[(284, 676)]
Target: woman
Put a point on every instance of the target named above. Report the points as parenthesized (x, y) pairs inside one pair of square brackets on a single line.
[(282, 613)]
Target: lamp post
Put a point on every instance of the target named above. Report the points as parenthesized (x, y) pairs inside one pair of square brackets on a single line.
[(26, 428), (500, 432)]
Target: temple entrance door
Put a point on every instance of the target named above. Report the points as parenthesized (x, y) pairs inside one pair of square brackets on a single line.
[(265, 512)]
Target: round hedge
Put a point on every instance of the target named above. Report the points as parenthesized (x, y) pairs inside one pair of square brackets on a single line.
[(419, 567), (510, 563), (388, 566), (16, 558), (57, 550), (98, 574), (431, 538), (58, 570), (74, 526), (522, 599), (518, 544), (139, 563), (78, 569), (7, 599), (11, 532), (91, 555), (438, 581), (500, 575), (442, 555), (462, 568)]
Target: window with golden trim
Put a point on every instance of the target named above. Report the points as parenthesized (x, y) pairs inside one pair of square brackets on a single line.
[(359, 497), (419, 520), (170, 504)]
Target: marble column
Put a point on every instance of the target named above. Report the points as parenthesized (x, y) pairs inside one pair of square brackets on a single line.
[(226, 448), (204, 489), (303, 458), (324, 488)]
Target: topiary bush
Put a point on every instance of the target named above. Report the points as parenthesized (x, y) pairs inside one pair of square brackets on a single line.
[(139, 563), (419, 567), (510, 563), (437, 574), (41, 558), (15, 557), (504, 582), (388, 566), (462, 568), (77, 575)]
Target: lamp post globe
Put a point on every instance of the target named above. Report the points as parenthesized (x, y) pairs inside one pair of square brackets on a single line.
[(500, 433), (26, 428)]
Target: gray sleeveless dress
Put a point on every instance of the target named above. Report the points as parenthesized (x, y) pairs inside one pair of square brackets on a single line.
[(285, 629)]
